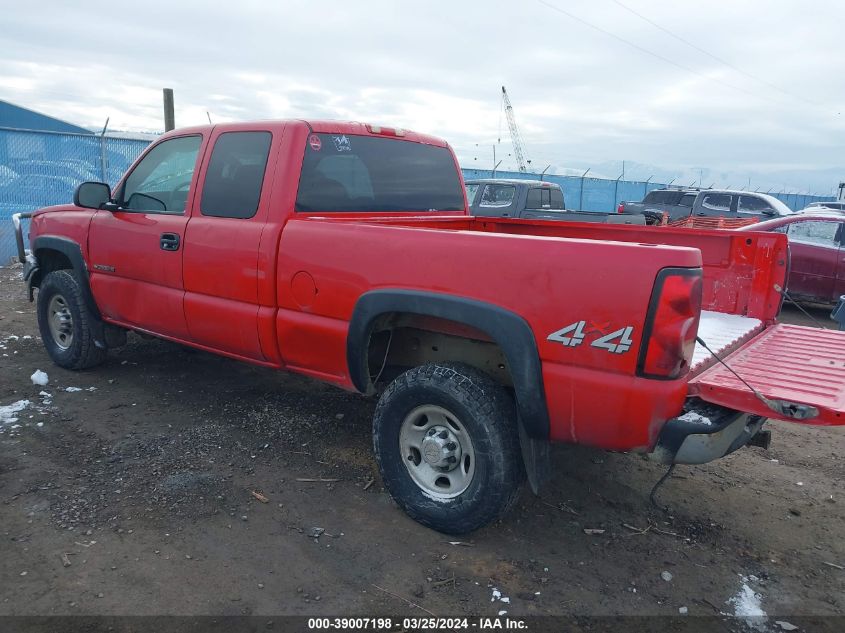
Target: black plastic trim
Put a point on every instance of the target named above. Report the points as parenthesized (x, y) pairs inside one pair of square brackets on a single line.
[(509, 330), (73, 252), (653, 304)]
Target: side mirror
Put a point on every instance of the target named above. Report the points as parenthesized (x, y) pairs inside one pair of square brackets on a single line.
[(91, 195)]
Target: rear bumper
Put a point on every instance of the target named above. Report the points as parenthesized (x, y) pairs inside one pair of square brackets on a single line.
[(703, 433)]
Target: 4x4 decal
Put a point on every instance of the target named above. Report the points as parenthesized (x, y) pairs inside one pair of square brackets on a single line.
[(617, 342)]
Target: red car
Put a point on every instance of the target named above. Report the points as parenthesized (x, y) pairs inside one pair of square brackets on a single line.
[(817, 254)]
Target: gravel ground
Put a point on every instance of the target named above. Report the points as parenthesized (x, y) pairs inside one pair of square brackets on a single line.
[(168, 481)]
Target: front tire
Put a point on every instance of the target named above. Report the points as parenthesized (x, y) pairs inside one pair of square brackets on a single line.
[(66, 323), (447, 446)]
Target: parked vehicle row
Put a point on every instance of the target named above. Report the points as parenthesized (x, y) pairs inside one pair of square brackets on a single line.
[(681, 203), (347, 252)]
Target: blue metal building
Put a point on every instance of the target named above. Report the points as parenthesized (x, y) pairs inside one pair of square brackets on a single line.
[(14, 116)]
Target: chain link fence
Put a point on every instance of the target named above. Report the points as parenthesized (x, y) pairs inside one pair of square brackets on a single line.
[(582, 193), (38, 169)]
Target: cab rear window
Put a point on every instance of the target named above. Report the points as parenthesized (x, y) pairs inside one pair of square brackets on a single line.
[(349, 173)]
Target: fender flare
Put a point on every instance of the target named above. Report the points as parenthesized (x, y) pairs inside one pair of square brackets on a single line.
[(508, 330), (73, 252)]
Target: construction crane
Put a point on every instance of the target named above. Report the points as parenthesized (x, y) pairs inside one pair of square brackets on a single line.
[(515, 138)]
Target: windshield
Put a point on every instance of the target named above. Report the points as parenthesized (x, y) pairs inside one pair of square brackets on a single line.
[(348, 173)]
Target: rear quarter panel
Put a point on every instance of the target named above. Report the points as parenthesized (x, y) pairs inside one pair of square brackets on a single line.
[(593, 395)]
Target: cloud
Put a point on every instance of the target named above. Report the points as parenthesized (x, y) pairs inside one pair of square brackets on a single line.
[(581, 97)]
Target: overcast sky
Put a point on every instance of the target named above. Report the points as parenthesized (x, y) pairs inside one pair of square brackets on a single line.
[(582, 98)]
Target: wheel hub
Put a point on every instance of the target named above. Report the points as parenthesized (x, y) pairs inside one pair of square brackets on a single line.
[(437, 451), (441, 449), (60, 322)]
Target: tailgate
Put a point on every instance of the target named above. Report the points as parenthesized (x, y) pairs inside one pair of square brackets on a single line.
[(800, 365)]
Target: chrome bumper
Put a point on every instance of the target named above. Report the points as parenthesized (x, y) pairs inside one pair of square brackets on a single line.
[(706, 432), (16, 222), (30, 264)]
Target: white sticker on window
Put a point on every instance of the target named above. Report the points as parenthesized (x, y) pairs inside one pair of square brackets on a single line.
[(342, 143)]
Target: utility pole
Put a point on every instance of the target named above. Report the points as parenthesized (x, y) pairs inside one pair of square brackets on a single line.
[(169, 116)]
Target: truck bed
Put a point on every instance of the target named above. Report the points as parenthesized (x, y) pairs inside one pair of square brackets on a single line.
[(741, 269)]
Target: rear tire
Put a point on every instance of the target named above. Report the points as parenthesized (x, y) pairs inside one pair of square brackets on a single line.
[(65, 322), (447, 446)]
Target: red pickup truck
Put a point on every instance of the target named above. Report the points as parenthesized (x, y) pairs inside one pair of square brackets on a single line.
[(345, 252)]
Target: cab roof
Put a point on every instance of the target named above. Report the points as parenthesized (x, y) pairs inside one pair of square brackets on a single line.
[(511, 181), (317, 126)]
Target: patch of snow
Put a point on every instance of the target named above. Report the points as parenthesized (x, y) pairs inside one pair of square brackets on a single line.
[(497, 595), (786, 626), (45, 394), (501, 613), (39, 378), (695, 418), (667, 576), (683, 610), (748, 605), (8, 412), (92, 389), (72, 389)]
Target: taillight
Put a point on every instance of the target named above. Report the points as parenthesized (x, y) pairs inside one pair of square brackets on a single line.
[(672, 324), (387, 131), (620, 208)]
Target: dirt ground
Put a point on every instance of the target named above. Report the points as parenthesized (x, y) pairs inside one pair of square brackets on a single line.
[(166, 481)]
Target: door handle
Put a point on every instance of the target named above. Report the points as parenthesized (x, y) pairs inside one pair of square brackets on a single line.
[(169, 242)]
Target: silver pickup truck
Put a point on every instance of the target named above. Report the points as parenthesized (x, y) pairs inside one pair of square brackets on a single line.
[(532, 199), (713, 203)]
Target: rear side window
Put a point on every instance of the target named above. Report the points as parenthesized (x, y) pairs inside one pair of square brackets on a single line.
[(349, 173), (717, 202), (817, 233), (534, 199), (753, 204), (557, 199), (235, 174)]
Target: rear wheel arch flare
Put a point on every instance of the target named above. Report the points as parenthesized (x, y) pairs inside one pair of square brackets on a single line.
[(506, 329)]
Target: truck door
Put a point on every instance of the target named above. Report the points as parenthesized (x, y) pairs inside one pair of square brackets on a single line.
[(814, 259), (222, 240), (136, 251)]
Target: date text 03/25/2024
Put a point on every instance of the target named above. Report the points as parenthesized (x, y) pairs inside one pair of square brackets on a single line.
[(417, 624)]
